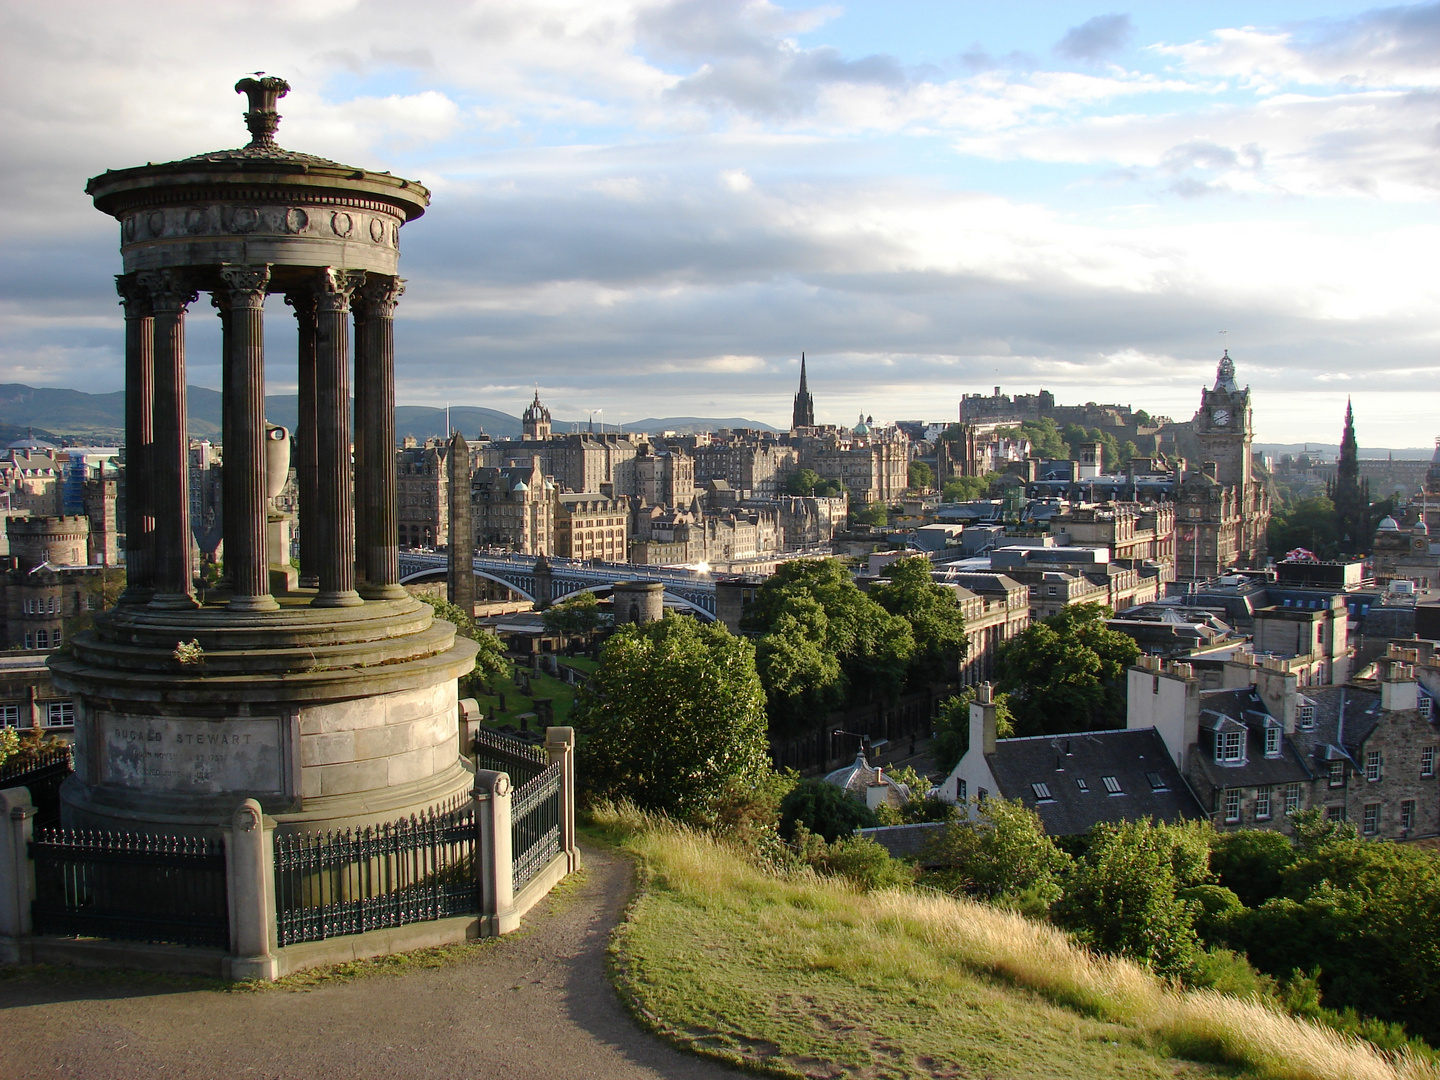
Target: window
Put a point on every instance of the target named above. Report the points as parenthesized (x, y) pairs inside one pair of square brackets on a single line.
[(1372, 819), (1334, 813), (1307, 717), (1112, 785), (981, 796), (42, 639), (1081, 784), (1337, 774), (1407, 815), (1157, 782), (1427, 761), (1042, 792), (1292, 798), (60, 714), (1426, 706), (9, 715), (1272, 741), (960, 791), (1372, 765), (1232, 804), (1229, 746), (29, 640)]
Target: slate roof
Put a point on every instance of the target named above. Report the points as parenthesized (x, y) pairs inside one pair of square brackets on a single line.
[(1337, 733), (905, 841), (1247, 707), (1059, 761)]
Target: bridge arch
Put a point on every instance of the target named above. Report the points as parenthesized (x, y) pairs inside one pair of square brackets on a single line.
[(440, 574)]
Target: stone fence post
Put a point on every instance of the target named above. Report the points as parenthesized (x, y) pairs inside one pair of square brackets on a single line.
[(560, 746), (17, 872), (250, 873), (494, 861)]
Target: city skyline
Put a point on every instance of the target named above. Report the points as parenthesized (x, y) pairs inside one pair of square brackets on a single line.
[(651, 209)]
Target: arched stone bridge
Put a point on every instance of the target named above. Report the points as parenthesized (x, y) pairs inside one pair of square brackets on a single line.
[(689, 588)]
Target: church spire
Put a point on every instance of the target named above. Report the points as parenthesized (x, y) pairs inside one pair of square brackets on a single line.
[(803, 415)]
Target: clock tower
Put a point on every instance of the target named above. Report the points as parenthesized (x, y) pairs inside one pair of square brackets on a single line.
[(1224, 426)]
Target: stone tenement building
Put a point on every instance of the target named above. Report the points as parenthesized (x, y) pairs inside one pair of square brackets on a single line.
[(1224, 508), (754, 462), (423, 492), (514, 507), (1405, 553), (1262, 747), (591, 527), (872, 462), (1134, 533), (665, 477)]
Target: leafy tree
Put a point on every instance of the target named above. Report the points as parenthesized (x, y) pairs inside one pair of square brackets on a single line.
[(1002, 852), (1128, 452), (933, 612), (490, 661), (673, 714), (872, 646), (1252, 863), (1309, 523), (824, 810), (1141, 418), (802, 677), (952, 727), (1045, 438), (579, 616), (802, 482), (920, 477), (876, 514), (966, 488), (1067, 672), (9, 743), (1123, 895)]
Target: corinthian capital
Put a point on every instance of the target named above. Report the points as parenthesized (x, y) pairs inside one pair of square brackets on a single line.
[(380, 294), (246, 284), (134, 297), (334, 286), (171, 291)]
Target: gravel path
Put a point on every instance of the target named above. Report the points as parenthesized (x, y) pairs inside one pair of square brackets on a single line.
[(535, 1004)]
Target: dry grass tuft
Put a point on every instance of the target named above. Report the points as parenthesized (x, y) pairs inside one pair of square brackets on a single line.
[(913, 935)]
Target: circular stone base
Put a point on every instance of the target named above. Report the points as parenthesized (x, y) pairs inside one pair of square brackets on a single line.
[(331, 719)]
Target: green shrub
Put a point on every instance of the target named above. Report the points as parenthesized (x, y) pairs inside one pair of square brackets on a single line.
[(1218, 905), (1231, 973), (1252, 863), (1003, 852), (824, 810), (863, 862)]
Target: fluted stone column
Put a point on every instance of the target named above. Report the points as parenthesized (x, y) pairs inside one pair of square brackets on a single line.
[(139, 439), (360, 473), (171, 292), (379, 545), (307, 477), (335, 501), (247, 555)]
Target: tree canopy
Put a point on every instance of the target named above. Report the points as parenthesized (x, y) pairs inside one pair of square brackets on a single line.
[(674, 713), (809, 482), (579, 615), (920, 476), (490, 661), (967, 488), (933, 612), (1309, 523), (876, 514), (1067, 672), (871, 647)]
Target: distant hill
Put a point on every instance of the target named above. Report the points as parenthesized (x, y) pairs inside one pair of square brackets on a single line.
[(1402, 453), (57, 414)]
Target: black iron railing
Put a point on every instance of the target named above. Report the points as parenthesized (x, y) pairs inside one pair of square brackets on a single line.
[(413, 870), (130, 886), (43, 778), (535, 811), (503, 754)]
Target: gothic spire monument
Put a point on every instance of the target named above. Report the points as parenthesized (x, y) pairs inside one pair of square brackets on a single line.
[(1348, 492), (803, 415), (535, 423), (332, 705), (1224, 505)]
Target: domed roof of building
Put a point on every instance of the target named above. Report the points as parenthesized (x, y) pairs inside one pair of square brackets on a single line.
[(1388, 524), (30, 442), (862, 428), (856, 777)]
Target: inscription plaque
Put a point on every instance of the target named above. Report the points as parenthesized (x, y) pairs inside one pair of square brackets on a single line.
[(192, 756)]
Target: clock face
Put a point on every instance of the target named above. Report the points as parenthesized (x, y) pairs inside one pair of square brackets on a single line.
[(1221, 417)]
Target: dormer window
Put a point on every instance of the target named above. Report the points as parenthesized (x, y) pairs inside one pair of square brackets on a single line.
[(1307, 717), (1272, 740), (1229, 747)]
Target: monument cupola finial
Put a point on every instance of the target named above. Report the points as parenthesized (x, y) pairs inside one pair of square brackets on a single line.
[(264, 93), (1225, 373)]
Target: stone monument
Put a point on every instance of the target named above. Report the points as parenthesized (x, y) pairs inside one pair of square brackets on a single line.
[(331, 698)]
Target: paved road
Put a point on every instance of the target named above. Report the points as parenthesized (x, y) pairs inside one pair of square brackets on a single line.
[(537, 1004)]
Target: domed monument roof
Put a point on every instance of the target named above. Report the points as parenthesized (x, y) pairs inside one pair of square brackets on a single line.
[(1388, 524), (258, 203)]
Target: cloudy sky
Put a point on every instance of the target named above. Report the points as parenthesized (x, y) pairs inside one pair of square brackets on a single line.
[(650, 207)]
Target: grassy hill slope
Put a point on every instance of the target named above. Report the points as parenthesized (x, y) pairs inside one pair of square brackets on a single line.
[(806, 977)]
